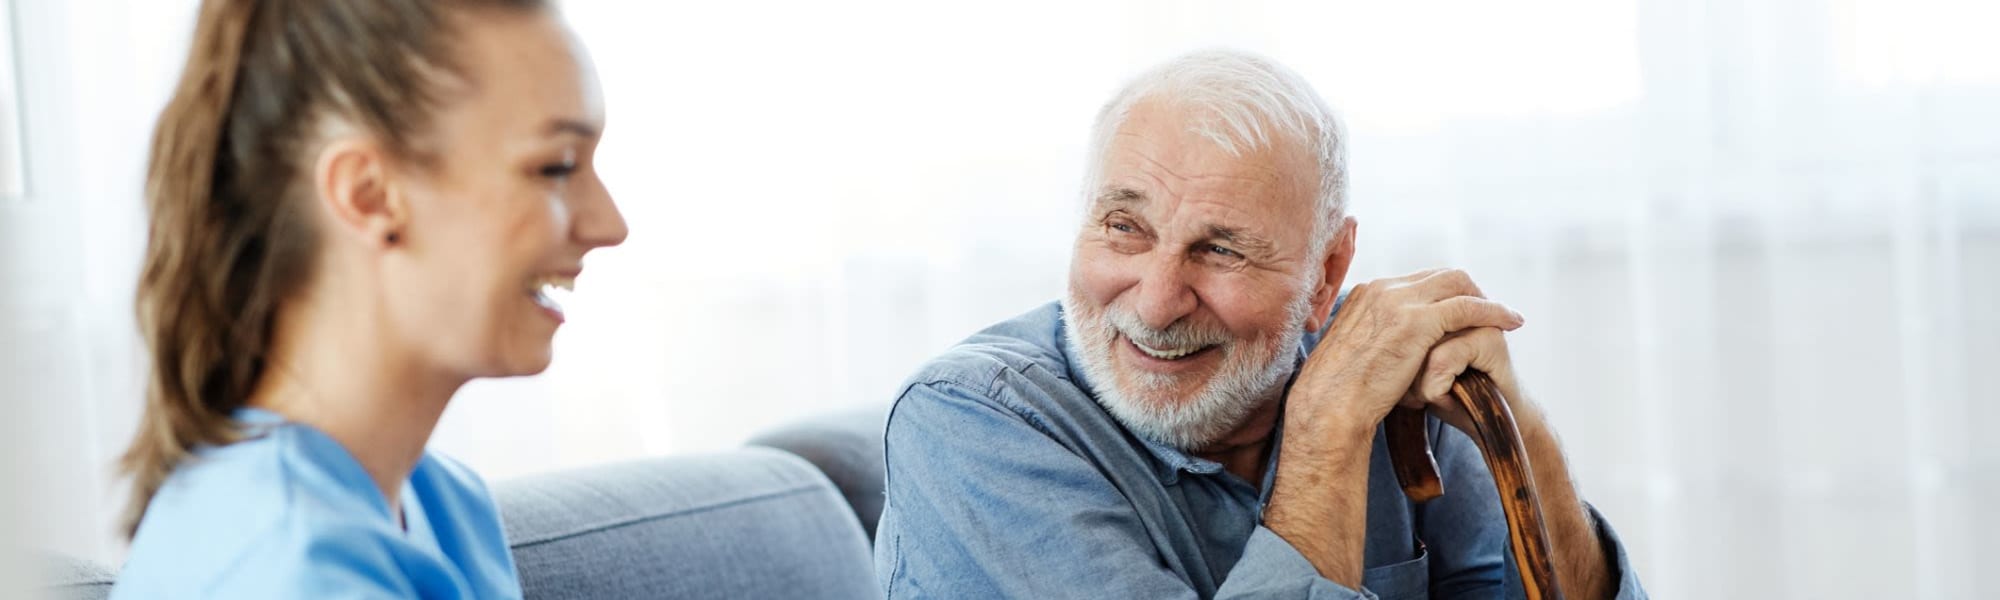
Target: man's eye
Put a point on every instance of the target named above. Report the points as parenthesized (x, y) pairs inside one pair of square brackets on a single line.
[(1117, 221), (1223, 252)]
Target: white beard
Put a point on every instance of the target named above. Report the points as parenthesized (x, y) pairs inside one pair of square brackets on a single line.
[(1251, 373)]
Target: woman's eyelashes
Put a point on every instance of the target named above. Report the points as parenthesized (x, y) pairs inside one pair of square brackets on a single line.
[(558, 170), (561, 168)]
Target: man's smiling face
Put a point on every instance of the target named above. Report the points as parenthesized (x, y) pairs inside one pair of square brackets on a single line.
[(1193, 275)]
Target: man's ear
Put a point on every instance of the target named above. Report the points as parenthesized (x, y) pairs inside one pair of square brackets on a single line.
[(352, 180), (1339, 256)]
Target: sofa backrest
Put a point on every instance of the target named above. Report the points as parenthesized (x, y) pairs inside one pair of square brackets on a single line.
[(68, 578), (750, 523), (845, 445)]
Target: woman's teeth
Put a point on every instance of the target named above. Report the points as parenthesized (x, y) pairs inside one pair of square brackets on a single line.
[(1167, 353), (552, 292)]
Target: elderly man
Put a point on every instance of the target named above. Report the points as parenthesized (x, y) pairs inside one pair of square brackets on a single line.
[(1186, 422)]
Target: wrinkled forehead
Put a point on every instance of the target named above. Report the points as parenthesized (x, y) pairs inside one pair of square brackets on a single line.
[(1164, 152)]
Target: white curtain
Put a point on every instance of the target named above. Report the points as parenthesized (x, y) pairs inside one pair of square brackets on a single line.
[(1758, 243)]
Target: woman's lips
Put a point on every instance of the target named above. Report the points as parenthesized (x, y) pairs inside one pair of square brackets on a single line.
[(550, 292)]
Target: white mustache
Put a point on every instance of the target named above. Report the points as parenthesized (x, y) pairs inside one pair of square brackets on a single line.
[(1182, 334)]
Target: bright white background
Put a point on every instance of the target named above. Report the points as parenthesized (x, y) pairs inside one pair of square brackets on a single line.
[(1758, 243)]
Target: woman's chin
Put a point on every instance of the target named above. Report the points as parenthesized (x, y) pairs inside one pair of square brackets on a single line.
[(533, 365), (521, 361)]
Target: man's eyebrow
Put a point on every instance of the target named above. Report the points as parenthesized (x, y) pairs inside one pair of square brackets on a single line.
[(575, 127), (1121, 195), (1236, 236)]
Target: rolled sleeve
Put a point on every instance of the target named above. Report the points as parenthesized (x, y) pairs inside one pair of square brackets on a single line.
[(1628, 580)]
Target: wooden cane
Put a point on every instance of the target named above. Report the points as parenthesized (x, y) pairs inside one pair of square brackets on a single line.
[(1500, 442)]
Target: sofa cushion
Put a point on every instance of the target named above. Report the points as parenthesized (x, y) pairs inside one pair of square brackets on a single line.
[(752, 523), (70, 578), (847, 446)]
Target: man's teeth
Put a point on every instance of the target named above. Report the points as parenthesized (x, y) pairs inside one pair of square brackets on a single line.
[(1166, 354), (552, 292)]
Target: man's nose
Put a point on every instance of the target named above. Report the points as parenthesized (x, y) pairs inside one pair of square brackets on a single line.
[(1164, 295)]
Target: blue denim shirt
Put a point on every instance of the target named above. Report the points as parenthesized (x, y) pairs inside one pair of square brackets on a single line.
[(1007, 480)]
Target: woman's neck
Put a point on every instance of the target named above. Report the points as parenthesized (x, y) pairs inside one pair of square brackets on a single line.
[(340, 373)]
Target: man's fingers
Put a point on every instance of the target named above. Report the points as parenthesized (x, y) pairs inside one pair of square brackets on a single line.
[(1484, 348), (1413, 399), (1419, 275), (1446, 360), (1467, 312), (1438, 284), (1440, 358)]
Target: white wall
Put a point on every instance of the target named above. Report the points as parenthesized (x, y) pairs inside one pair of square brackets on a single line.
[(1758, 243), (92, 76)]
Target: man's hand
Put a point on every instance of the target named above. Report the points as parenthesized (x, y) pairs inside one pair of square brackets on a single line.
[(1365, 365), (1480, 348), (1380, 340)]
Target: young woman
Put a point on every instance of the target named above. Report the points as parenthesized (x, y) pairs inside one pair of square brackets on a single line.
[(356, 207)]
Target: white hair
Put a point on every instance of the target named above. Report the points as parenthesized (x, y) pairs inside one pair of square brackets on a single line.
[(1242, 102)]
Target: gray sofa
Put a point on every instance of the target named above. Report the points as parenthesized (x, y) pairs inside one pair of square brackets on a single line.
[(847, 447), (783, 518)]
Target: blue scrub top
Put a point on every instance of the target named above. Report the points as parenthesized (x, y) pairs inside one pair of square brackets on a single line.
[(289, 513)]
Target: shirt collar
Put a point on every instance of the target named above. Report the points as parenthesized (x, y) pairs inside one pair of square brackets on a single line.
[(255, 422)]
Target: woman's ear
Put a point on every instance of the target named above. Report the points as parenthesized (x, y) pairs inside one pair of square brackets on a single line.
[(352, 180), (1339, 256)]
